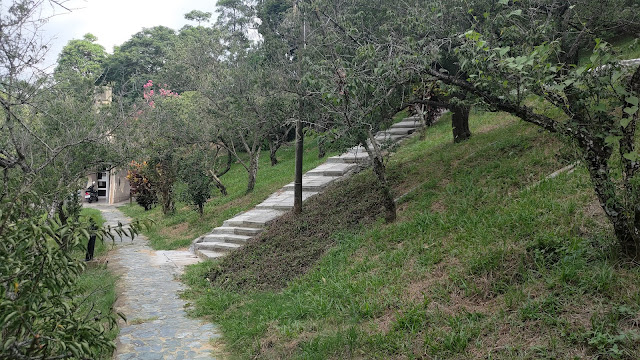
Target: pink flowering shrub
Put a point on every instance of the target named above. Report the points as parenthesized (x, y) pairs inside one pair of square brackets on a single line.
[(150, 96)]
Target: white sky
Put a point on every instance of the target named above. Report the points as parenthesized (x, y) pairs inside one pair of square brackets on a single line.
[(114, 21)]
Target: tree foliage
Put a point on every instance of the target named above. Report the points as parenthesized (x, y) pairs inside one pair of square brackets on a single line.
[(82, 58), (50, 138)]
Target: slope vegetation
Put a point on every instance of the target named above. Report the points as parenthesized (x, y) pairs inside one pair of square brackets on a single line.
[(487, 260)]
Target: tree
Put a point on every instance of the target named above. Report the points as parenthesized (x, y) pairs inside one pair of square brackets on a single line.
[(84, 58), (49, 138), (363, 78), (194, 172), (245, 111), (244, 103), (138, 59), (236, 17), (526, 53), (198, 16)]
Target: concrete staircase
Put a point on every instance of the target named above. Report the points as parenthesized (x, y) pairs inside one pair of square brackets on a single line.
[(235, 232)]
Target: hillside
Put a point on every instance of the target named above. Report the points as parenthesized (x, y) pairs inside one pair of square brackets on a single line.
[(486, 260)]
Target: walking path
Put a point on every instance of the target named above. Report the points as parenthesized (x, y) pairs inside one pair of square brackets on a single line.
[(235, 232), (157, 325)]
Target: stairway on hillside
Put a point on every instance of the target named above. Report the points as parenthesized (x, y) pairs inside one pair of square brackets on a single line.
[(235, 232)]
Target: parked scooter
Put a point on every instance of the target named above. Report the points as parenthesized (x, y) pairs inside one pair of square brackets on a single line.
[(91, 194)]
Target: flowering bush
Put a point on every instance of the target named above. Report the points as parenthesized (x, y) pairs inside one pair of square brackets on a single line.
[(141, 187), (150, 96)]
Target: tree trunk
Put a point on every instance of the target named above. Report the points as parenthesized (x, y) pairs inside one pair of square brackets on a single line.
[(322, 149), (227, 166), (218, 183), (460, 123), (253, 170), (387, 197), (625, 227), (273, 149)]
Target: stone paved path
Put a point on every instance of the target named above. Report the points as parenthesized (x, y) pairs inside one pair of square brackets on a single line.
[(157, 327)]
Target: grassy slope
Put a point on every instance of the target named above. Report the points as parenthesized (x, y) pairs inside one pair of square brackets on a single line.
[(629, 47), (626, 47), (483, 262), (96, 282), (179, 230)]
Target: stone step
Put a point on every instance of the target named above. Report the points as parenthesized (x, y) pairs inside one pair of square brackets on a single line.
[(229, 238), (331, 169), (255, 218), (283, 200), (208, 254), (349, 158), (384, 137), (400, 131), (407, 124), (216, 246), (312, 183), (237, 230)]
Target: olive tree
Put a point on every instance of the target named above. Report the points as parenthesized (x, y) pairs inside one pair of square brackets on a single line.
[(526, 53), (49, 138)]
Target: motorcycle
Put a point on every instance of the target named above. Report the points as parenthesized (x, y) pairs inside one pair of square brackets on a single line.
[(91, 194)]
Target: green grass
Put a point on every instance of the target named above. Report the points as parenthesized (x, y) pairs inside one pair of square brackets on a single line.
[(97, 283), (179, 229), (625, 48), (628, 47), (485, 261)]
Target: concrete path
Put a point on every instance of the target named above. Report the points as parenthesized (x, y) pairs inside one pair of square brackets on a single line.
[(235, 232), (157, 325)]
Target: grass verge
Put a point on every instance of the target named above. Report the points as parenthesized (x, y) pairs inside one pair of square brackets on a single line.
[(487, 260), (96, 283)]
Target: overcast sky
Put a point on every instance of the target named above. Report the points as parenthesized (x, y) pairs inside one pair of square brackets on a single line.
[(114, 21)]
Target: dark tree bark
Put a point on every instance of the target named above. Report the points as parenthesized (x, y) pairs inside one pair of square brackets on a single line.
[(276, 140), (460, 123), (273, 149), (385, 190), (227, 165), (253, 170), (218, 183), (379, 169), (322, 149)]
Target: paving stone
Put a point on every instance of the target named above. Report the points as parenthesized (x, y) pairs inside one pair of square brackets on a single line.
[(229, 238), (283, 200), (207, 254), (312, 183), (407, 123), (149, 295), (332, 169), (255, 218), (349, 158), (237, 230), (400, 131), (216, 246), (389, 137)]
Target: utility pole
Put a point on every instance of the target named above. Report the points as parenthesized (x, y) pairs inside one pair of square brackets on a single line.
[(297, 189)]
